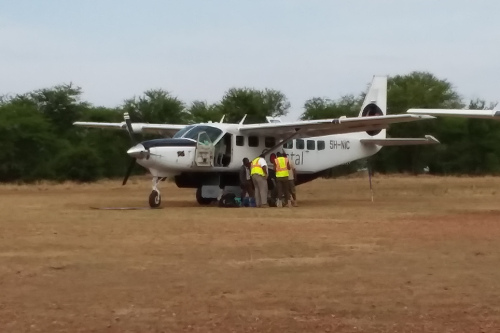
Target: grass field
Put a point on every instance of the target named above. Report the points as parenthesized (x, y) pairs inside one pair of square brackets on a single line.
[(424, 257)]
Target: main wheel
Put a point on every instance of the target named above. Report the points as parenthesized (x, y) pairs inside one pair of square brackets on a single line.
[(201, 200), (154, 199)]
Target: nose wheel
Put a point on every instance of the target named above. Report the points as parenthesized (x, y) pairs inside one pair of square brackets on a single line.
[(154, 199), (155, 196)]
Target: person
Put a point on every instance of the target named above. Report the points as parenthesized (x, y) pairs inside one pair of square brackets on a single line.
[(258, 172), (220, 149), (282, 167), (245, 180), (292, 176)]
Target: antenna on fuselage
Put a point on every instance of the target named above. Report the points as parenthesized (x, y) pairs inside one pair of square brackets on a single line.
[(242, 120)]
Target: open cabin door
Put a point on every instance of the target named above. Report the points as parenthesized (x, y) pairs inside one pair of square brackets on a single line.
[(205, 150)]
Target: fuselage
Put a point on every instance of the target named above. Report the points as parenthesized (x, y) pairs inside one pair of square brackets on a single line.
[(220, 148)]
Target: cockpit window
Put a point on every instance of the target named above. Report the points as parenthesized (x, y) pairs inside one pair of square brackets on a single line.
[(183, 131), (212, 132)]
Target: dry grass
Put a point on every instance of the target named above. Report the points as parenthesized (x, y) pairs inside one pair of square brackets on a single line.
[(422, 258)]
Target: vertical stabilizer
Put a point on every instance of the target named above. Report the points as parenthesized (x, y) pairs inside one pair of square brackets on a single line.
[(375, 103)]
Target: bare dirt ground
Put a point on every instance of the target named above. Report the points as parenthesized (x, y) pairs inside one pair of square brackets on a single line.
[(424, 257)]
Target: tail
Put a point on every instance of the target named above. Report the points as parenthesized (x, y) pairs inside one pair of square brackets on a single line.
[(375, 103)]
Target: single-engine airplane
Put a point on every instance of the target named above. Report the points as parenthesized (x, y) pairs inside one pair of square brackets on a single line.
[(207, 156)]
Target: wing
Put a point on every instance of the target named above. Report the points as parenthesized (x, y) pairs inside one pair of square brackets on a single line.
[(427, 140), (481, 114), (311, 128), (161, 129)]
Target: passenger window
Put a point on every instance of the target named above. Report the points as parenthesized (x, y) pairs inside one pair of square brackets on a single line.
[(240, 140), (253, 141), (269, 141), (311, 145), (288, 145), (299, 143), (321, 145)]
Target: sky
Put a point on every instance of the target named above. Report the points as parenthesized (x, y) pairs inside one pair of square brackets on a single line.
[(198, 49)]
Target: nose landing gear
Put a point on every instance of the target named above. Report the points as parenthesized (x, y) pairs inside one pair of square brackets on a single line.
[(155, 196)]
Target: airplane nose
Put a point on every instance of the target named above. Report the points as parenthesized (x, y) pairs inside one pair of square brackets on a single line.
[(137, 151)]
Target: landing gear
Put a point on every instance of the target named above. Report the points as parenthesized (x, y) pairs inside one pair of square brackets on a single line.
[(154, 199), (201, 200), (155, 196)]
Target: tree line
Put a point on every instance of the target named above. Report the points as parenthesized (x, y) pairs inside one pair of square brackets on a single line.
[(38, 140)]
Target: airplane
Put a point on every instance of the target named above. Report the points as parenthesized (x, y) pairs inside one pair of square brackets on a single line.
[(477, 114), (207, 156)]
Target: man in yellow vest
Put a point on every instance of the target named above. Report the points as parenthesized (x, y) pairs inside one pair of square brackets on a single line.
[(258, 172), (282, 167)]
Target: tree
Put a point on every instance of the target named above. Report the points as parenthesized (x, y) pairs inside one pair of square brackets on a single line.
[(202, 112), (256, 104), (80, 163), (60, 104), (157, 106), (28, 142), (323, 108)]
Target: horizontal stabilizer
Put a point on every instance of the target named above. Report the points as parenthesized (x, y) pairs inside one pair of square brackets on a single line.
[(480, 114), (428, 140)]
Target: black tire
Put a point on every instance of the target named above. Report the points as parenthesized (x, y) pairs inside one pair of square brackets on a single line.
[(154, 199), (201, 200)]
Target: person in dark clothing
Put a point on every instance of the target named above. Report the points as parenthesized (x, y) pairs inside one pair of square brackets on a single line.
[(246, 183)]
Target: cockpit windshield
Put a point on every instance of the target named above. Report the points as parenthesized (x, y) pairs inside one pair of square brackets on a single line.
[(183, 131), (192, 131)]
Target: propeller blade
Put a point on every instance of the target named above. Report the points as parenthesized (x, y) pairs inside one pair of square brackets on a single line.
[(129, 171), (130, 130)]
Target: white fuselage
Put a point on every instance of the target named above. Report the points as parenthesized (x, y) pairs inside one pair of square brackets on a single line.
[(311, 155)]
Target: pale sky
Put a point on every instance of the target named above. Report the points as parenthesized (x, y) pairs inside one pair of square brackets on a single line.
[(198, 49)]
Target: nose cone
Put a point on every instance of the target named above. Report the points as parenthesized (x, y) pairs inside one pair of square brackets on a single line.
[(137, 151)]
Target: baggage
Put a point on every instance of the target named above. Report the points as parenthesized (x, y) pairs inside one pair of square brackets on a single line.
[(248, 202), (228, 200)]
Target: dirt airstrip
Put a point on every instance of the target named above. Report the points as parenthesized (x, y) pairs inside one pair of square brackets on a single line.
[(423, 257)]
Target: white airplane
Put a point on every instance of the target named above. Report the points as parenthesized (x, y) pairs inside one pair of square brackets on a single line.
[(479, 114), (208, 156)]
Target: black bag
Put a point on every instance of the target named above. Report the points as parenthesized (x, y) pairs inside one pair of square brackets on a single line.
[(228, 200)]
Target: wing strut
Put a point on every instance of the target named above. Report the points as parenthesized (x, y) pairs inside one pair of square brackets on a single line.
[(290, 137)]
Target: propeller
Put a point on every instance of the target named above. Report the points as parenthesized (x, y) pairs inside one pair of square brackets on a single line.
[(130, 131), (129, 171)]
